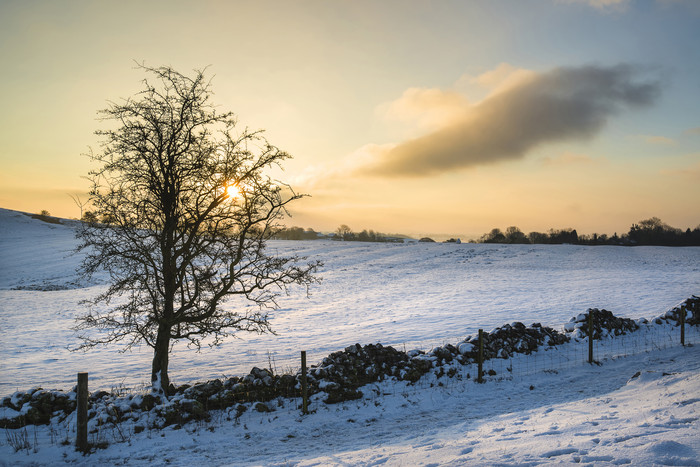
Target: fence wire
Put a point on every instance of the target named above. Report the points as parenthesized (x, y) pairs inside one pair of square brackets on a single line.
[(453, 376), (574, 354)]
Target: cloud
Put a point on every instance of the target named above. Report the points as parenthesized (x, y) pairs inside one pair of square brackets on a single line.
[(560, 105), (569, 159), (609, 6), (691, 172), (692, 131), (331, 176), (499, 79), (654, 139), (427, 109)]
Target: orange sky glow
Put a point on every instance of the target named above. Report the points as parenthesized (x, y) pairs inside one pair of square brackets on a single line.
[(425, 118)]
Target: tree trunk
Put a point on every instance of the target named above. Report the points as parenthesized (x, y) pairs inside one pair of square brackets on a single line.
[(160, 359)]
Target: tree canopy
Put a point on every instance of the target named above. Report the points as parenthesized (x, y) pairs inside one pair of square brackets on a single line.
[(185, 209)]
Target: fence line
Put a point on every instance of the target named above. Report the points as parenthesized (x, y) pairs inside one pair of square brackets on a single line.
[(648, 338), (452, 375), (564, 357), (550, 359)]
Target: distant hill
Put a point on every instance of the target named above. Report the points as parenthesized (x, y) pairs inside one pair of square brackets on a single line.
[(37, 252)]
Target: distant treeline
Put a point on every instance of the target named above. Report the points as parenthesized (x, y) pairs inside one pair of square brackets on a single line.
[(297, 233), (647, 232), (343, 233)]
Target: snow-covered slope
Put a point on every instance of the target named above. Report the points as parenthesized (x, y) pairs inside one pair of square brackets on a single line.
[(35, 254), (412, 295), (638, 410)]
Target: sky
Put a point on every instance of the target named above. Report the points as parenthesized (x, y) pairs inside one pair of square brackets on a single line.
[(442, 118)]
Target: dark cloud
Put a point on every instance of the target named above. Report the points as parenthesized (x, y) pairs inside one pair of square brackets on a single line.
[(562, 104)]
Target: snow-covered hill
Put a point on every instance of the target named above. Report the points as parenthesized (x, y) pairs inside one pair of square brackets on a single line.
[(412, 295), (409, 295)]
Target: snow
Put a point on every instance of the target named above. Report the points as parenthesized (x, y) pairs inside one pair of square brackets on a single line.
[(589, 414), (642, 409), (407, 295)]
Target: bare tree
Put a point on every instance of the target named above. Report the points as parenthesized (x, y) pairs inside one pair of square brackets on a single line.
[(343, 232), (80, 203), (190, 209)]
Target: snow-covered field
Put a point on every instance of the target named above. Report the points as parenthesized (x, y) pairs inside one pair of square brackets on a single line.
[(412, 295)]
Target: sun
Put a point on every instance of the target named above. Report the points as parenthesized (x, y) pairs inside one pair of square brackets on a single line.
[(232, 191)]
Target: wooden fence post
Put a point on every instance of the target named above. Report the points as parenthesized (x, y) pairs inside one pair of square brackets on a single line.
[(480, 378), (81, 441), (304, 387), (683, 312), (590, 336)]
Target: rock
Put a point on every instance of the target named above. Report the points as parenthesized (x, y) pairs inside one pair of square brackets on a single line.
[(148, 401), (240, 410), (98, 395), (204, 391), (261, 373), (692, 312), (604, 323), (417, 369), (222, 400), (262, 407), (442, 354), (466, 348), (231, 382)]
